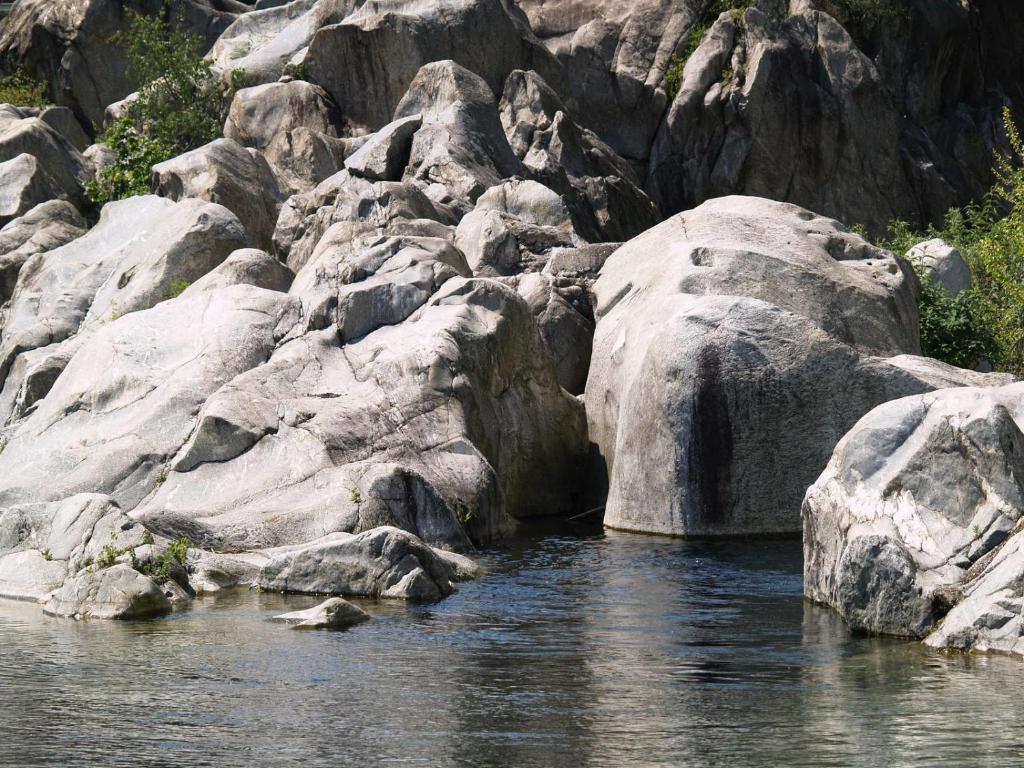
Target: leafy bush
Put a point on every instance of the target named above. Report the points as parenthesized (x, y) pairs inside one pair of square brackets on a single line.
[(21, 90), (180, 106), (986, 322)]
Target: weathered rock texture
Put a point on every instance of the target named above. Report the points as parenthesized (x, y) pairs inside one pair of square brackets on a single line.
[(917, 516)]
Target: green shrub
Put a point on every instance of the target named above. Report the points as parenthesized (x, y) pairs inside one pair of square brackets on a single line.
[(21, 90), (177, 288), (988, 320), (180, 106)]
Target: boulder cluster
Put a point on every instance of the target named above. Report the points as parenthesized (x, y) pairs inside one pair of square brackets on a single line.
[(459, 263)]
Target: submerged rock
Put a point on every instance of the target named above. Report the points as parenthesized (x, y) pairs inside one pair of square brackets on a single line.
[(330, 614)]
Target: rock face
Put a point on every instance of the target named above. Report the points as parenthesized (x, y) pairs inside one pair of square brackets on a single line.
[(128, 398), (913, 518), (783, 101), (409, 425), (384, 562), (44, 228), (330, 614), (367, 62), (735, 345), (42, 544)]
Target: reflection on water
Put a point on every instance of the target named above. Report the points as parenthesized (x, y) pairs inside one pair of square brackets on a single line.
[(611, 650)]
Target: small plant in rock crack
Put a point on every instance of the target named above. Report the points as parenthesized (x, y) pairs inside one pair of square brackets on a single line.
[(147, 538), (357, 497), (161, 477), (162, 567), (47, 554), (177, 288), (109, 554)]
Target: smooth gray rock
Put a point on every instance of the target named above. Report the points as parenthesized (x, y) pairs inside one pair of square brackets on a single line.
[(248, 266), (24, 185), (128, 399), (335, 613), (63, 167), (915, 496), (142, 251), (408, 426), (46, 227), (259, 114), (735, 345), (384, 562), (263, 42), (355, 205), (867, 125), (226, 173), (384, 156), (943, 264), (601, 189), (303, 158), (118, 592), (568, 332), (64, 122)]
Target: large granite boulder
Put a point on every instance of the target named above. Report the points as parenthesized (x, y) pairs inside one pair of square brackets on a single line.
[(263, 42), (42, 544), (735, 345), (61, 168), (143, 250), (24, 184), (461, 145), (46, 227), (259, 114), (903, 524), (602, 190)]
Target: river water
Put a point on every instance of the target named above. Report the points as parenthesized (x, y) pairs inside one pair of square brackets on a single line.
[(601, 650)]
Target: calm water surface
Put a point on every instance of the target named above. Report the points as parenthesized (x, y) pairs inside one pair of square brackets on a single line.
[(609, 650)]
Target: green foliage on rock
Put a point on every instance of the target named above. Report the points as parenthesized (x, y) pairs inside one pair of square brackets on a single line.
[(21, 90), (714, 9), (180, 106), (986, 322)]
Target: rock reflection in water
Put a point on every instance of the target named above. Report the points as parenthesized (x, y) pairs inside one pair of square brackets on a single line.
[(595, 651)]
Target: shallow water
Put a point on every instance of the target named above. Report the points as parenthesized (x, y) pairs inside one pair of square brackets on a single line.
[(609, 650)]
